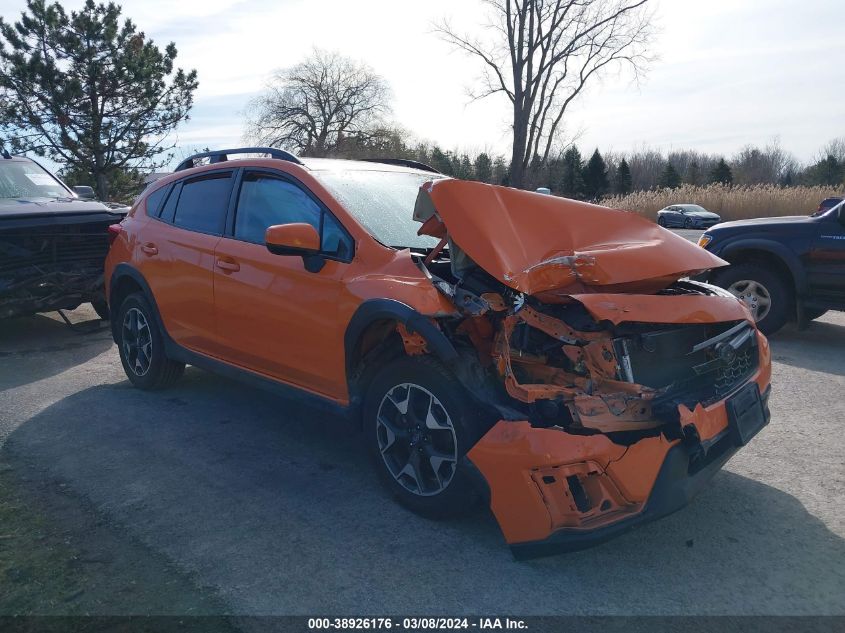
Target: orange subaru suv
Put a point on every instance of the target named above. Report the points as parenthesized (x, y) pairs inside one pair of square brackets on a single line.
[(549, 357)]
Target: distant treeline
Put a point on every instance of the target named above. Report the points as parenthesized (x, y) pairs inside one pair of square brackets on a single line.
[(574, 175)]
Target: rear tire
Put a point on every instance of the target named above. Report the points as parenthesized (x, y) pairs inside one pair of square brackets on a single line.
[(753, 281), (141, 346), (661, 221), (419, 424)]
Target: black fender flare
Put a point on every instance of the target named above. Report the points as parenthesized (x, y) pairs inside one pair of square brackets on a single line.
[(374, 310), (122, 271), (788, 257)]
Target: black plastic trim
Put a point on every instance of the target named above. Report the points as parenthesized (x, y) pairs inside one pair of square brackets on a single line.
[(402, 162), (219, 156), (383, 309)]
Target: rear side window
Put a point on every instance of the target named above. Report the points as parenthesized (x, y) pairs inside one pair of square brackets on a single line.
[(203, 203), (154, 201)]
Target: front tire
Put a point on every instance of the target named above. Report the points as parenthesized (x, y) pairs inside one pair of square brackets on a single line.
[(419, 423), (764, 292), (141, 346)]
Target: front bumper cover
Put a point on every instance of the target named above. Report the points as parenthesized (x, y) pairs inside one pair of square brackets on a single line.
[(542, 500)]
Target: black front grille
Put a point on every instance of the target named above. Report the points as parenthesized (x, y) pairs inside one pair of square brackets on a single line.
[(708, 374), (53, 247), (731, 375)]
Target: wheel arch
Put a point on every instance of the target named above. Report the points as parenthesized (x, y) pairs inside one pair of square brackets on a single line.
[(124, 281), (379, 317), (769, 252)]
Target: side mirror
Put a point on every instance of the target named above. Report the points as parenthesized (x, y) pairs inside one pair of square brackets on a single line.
[(85, 192), (292, 239)]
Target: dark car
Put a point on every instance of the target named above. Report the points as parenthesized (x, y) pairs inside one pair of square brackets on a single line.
[(687, 216), (790, 268), (828, 203), (53, 243)]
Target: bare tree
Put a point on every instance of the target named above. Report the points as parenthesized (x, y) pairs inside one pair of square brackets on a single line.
[(753, 165), (542, 55), (313, 106), (836, 148)]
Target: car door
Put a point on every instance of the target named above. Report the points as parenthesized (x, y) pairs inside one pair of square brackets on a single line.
[(177, 256), (826, 259), (275, 315), (672, 215)]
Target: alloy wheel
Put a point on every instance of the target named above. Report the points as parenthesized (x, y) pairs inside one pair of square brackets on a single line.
[(417, 439), (754, 295), (137, 341)]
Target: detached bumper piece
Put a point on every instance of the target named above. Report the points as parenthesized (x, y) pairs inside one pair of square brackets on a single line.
[(553, 492)]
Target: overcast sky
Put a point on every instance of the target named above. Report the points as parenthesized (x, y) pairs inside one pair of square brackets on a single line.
[(729, 72)]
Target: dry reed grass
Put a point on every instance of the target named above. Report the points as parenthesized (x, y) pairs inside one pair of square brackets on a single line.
[(732, 203)]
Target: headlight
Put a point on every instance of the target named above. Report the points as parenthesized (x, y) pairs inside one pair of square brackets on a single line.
[(704, 240)]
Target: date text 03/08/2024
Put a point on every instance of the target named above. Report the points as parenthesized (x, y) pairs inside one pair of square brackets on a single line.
[(416, 623)]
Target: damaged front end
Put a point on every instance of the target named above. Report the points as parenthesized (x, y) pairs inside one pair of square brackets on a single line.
[(618, 395), (52, 262)]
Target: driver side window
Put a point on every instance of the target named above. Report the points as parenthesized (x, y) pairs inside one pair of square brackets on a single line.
[(265, 201)]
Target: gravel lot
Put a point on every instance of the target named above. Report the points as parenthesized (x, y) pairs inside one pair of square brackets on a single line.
[(272, 508)]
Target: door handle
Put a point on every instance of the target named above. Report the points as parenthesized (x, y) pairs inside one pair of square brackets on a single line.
[(228, 265), (149, 248)]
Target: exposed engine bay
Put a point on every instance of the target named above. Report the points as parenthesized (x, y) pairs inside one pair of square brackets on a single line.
[(572, 371)]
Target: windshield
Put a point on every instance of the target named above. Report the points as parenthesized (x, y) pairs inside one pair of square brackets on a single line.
[(28, 180), (693, 208), (382, 201)]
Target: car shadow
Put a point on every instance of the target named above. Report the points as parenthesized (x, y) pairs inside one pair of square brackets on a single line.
[(810, 348), (275, 505), (38, 346)]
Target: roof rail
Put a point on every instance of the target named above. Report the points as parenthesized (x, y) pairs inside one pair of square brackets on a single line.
[(402, 162), (219, 155)]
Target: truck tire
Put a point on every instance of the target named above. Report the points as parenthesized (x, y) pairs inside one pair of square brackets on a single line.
[(765, 293)]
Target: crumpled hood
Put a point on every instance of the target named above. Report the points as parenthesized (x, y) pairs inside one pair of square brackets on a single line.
[(535, 243)]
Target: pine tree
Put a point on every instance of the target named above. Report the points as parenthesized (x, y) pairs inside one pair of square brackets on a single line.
[(89, 92), (501, 171), (596, 183), (623, 184), (572, 178), (483, 167), (721, 173), (669, 179)]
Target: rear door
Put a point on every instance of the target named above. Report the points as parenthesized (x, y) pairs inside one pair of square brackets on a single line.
[(273, 315), (177, 255)]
